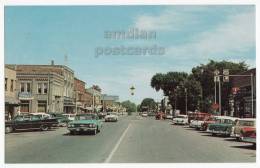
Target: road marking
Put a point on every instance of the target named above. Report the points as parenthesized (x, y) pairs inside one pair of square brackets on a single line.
[(117, 145)]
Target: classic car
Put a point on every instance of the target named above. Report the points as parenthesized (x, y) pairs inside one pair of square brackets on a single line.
[(85, 123), (196, 115), (62, 119), (169, 116), (71, 117), (180, 119), (222, 126), (22, 122), (112, 116), (144, 114), (241, 123), (210, 120), (248, 134), (198, 120), (42, 115)]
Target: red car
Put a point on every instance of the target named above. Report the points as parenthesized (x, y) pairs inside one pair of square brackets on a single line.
[(248, 134)]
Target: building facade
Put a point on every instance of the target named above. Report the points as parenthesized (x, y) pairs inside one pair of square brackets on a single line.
[(94, 95), (80, 96), (110, 103), (11, 101), (44, 88)]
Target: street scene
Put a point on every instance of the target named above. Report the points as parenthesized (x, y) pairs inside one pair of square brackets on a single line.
[(130, 84)]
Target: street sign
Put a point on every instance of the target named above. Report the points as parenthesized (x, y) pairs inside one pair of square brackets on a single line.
[(216, 78), (225, 75), (215, 106), (216, 72), (225, 78)]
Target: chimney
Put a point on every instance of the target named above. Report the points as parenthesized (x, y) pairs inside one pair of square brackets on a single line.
[(52, 62)]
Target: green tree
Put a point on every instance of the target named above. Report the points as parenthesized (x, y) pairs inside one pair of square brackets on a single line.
[(130, 106), (204, 73), (148, 104)]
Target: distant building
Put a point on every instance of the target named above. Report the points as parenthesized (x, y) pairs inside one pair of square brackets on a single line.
[(95, 93), (45, 88), (11, 101), (240, 99), (110, 103)]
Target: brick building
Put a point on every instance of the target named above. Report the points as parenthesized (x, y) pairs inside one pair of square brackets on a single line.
[(80, 96), (45, 88)]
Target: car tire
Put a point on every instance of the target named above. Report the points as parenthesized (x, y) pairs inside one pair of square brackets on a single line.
[(44, 127), (8, 129), (72, 132), (213, 134), (98, 130)]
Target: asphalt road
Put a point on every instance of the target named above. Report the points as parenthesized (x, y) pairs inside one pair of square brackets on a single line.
[(130, 140)]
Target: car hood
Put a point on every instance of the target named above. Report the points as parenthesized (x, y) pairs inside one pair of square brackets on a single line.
[(83, 122)]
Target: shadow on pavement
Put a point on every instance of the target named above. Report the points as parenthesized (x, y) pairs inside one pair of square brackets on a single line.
[(231, 139), (32, 130), (78, 134), (249, 147)]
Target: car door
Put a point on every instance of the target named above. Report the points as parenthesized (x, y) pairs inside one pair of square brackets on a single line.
[(35, 121), (23, 123)]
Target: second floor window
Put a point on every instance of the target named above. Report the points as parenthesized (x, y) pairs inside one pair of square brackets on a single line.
[(22, 87), (5, 84), (45, 88), (39, 88), (28, 88), (12, 85)]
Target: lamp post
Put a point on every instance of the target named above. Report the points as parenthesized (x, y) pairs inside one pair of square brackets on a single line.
[(186, 100)]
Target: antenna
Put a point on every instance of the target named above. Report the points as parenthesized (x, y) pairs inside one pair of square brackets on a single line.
[(66, 59)]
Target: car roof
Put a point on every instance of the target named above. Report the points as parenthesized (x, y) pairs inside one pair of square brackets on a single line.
[(247, 119)]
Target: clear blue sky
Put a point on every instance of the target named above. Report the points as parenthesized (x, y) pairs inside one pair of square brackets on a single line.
[(190, 34)]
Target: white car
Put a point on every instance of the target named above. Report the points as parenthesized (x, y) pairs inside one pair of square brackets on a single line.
[(144, 114), (111, 117), (169, 116), (180, 119), (71, 117), (196, 123)]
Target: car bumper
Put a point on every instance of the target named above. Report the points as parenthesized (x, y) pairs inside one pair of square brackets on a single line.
[(221, 132), (235, 135), (178, 122), (110, 119), (82, 129)]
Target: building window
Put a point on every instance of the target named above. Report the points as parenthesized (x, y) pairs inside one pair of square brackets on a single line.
[(28, 88), (39, 88), (12, 85), (22, 87), (45, 88), (24, 108), (42, 106), (5, 84)]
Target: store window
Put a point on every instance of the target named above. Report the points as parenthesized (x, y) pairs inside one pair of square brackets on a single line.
[(42, 106), (24, 106)]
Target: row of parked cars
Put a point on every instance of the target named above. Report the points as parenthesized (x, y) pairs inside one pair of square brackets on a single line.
[(87, 122), (243, 129)]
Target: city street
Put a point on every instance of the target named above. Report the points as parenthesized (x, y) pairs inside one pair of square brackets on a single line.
[(130, 140)]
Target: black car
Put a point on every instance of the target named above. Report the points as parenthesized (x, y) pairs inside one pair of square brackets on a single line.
[(62, 120), (22, 122)]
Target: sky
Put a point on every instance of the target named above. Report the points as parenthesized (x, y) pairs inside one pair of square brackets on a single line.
[(190, 35)]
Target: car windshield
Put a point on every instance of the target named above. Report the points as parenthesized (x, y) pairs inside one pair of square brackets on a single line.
[(181, 117), (245, 123), (85, 117), (228, 121)]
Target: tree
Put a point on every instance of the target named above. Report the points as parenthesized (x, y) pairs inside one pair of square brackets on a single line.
[(205, 75), (148, 104), (130, 107)]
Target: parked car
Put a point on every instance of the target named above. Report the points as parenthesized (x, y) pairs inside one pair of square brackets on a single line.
[(71, 117), (180, 119), (112, 116), (62, 119), (169, 116), (195, 115), (41, 115), (210, 120), (85, 123), (248, 134), (23, 122), (241, 123), (144, 114), (222, 126), (199, 119)]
